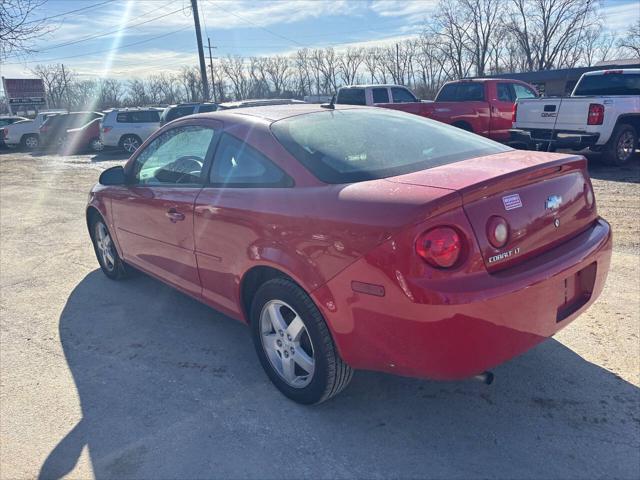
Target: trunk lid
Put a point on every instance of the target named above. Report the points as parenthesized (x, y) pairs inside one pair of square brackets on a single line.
[(541, 196)]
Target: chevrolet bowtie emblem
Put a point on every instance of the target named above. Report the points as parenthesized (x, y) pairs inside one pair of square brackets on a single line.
[(553, 202)]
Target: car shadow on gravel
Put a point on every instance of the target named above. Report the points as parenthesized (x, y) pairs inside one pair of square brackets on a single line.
[(172, 389)]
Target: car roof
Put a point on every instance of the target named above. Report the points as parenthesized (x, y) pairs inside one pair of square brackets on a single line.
[(614, 70), (273, 113)]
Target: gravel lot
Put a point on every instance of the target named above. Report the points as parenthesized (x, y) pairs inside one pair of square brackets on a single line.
[(134, 380)]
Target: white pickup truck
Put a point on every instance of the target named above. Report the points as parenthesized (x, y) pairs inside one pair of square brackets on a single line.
[(602, 114), (26, 133)]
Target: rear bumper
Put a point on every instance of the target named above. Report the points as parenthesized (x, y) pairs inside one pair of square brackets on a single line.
[(547, 139), (464, 328)]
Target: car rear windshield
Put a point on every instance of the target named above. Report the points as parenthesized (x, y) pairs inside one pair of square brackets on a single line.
[(352, 145), (608, 84)]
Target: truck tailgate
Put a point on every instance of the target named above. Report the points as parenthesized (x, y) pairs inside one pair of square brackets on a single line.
[(545, 113)]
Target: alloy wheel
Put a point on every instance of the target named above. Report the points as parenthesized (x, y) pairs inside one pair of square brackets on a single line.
[(31, 142), (287, 343), (625, 146), (96, 145), (105, 246), (130, 144)]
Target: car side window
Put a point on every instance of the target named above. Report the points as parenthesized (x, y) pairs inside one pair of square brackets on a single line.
[(206, 108), (380, 95), (402, 95), (236, 164), (504, 92), (523, 92), (175, 157), (178, 112)]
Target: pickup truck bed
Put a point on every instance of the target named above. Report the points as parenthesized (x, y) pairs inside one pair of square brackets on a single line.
[(607, 120)]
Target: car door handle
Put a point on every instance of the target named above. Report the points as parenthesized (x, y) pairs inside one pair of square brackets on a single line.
[(174, 215)]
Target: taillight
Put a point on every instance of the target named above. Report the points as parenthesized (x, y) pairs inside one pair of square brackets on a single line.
[(596, 114), (440, 247), (43, 128), (588, 195), (106, 129), (497, 231), (514, 112)]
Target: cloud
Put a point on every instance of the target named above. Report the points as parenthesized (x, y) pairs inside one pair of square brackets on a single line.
[(618, 17)]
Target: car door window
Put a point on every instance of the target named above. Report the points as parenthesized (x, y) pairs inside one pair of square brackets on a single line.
[(402, 95), (175, 157), (236, 164), (380, 95), (523, 92), (504, 92)]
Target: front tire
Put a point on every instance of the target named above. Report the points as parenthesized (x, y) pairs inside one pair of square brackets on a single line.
[(294, 344), (622, 145), (110, 262)]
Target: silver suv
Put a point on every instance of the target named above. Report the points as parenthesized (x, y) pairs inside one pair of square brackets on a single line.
[(127, 128)]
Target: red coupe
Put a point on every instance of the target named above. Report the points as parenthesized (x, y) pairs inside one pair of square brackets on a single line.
[(357, 238)]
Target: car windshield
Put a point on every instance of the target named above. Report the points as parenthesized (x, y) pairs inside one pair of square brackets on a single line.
[(608, 84), (344, 146)]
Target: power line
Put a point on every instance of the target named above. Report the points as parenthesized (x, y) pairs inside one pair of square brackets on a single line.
[(100, 51), (70, 12), (91, 37)]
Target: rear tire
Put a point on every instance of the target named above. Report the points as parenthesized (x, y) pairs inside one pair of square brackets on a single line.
[(96, 145), (130, 143), (30, 142), (622, 145), (110, 262), (303, 343)]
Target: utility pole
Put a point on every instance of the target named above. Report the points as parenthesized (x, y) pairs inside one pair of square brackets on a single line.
[(66, 86), (213, 82), (203, 68)]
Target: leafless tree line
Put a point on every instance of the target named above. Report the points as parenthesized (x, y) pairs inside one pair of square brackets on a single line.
[(463, 38)]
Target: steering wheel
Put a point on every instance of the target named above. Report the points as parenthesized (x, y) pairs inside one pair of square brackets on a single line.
[(188, 165)]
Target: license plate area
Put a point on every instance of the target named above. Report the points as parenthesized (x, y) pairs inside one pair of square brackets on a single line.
[(577, 291)]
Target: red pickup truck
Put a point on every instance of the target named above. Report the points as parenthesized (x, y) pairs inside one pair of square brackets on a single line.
[(483, 106)]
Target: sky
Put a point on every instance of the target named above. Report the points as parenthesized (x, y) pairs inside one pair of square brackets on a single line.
[(134, 38)]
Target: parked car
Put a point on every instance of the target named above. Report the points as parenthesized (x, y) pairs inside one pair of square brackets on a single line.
[(86, 137), (258, 103), (26, 133), (482, 106), (183, 109), (5, 121), (602, 113), (357, 238), (54, 129), (127, 128)]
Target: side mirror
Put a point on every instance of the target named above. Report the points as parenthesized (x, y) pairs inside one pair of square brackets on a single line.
[(113, 176)]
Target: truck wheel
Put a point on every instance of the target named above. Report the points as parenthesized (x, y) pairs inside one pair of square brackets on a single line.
[(622, 145), (30, 142)]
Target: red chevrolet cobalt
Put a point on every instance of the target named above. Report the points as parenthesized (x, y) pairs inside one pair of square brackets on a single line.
[(357, 238)]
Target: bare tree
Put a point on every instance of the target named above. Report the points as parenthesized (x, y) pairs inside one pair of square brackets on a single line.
[(278, 72), (450, 26), (18, 27), (349, 64), (191, 83), (373, 65), (235, 71), (484, 18), (631, 41), (546, 30)]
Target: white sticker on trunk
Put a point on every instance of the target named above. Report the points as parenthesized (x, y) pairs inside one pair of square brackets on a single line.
[(512, 201)]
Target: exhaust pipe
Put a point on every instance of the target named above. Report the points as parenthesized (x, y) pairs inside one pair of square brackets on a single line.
[(485, 377)]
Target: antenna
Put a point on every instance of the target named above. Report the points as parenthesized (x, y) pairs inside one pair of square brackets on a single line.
[(331, 105)]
